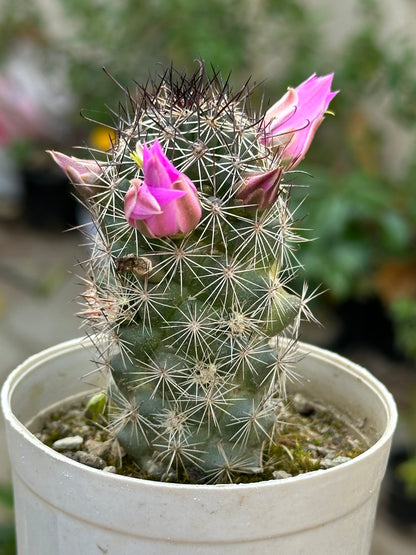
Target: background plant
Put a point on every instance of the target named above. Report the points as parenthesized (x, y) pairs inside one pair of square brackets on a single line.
[(7, 532)]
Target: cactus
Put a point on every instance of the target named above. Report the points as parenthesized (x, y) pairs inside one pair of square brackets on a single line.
[(190, 273)]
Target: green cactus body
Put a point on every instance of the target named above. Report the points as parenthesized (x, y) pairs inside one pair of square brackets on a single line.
[(197, 375)]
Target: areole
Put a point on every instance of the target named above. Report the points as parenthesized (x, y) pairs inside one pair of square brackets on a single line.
[(63, 507)]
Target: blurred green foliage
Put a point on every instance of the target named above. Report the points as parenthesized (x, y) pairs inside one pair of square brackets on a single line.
[(407, 472), (406, 468), (404, 317), (360, 201), (7, 533)]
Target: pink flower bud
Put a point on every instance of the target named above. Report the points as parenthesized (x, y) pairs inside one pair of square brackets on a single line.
[(83, 174), (166, 202), (291, 123), (261, 190)]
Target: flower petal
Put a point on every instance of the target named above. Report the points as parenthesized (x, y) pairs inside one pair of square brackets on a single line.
[(290, 124), (139, 202), (165, 196)]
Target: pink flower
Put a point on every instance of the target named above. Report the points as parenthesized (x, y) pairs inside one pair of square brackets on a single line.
[(83, 174), (261, 190), (291, 123), (166, 201)]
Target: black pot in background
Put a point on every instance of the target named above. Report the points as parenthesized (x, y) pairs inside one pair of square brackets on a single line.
[(48, 202), (365, 323)]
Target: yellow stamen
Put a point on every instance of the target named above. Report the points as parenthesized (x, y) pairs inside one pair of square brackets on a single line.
[(136, 158)]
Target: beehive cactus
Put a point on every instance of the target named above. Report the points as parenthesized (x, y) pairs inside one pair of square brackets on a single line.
[(191, 268)]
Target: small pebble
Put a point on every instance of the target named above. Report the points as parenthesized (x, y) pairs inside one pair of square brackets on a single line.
[(111, 469), (281, 474), (97, 448), (68, 443), (90, 460), (330, 463), (322, 450)]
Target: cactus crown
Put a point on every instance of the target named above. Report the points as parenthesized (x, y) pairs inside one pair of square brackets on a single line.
[(194, 315)]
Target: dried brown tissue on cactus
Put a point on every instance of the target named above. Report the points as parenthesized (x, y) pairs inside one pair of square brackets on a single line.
[(191, 291)]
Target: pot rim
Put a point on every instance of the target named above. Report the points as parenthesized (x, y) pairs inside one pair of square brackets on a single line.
[(58, 349)]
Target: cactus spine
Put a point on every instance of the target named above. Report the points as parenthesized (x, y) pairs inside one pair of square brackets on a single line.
[(196, 366)]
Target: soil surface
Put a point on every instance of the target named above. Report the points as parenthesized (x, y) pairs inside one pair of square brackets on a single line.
[(311, 438)]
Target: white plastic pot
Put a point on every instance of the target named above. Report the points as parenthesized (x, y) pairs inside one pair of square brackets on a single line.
[(65, 508)]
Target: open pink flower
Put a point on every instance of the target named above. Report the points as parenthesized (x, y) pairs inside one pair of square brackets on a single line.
[(83, 174), (166, 202), (291, 123)]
